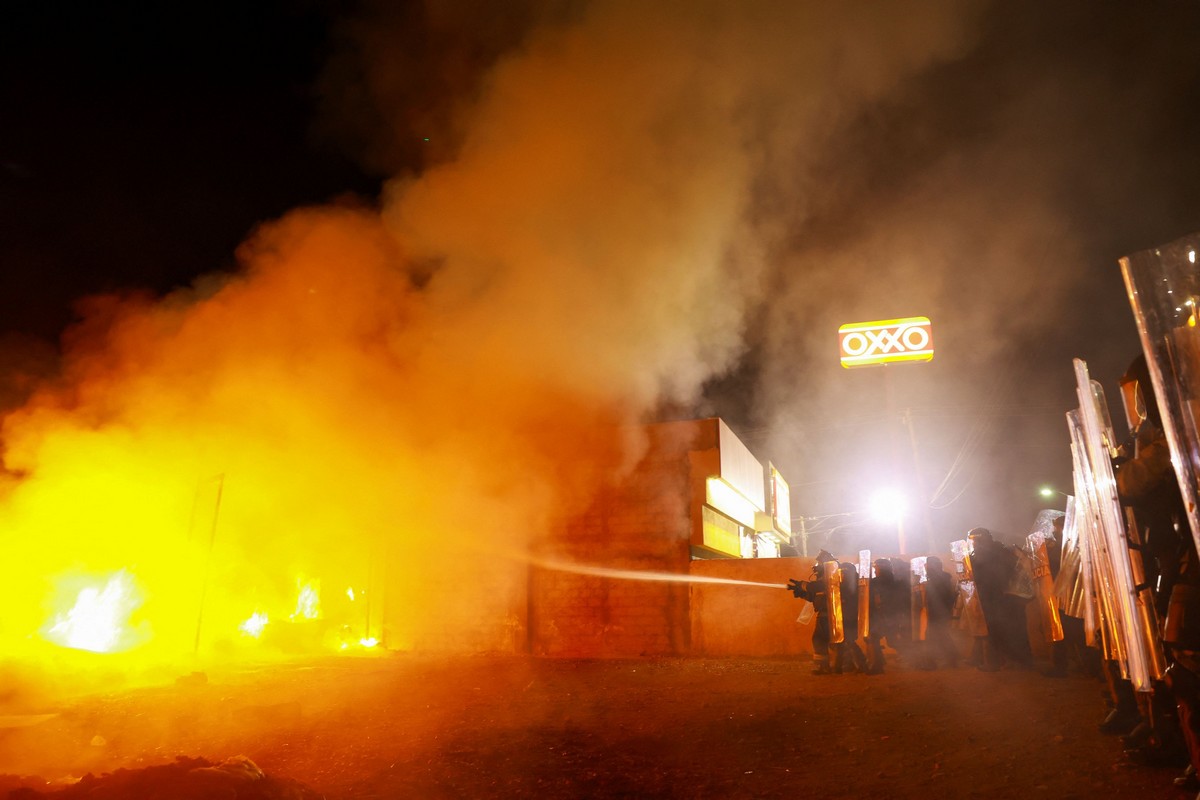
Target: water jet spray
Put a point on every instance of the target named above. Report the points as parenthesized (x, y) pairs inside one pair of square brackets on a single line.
[(641, 575)]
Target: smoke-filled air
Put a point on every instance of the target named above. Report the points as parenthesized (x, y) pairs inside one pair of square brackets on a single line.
[(353, 436)]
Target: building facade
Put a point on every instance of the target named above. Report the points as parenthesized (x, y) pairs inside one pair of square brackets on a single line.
[(687, 555)]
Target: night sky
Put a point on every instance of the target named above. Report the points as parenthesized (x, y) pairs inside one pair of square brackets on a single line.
[(138, 147), (141, 145)]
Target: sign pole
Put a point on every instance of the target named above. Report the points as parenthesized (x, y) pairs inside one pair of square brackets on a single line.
[(894, 437), (884, 342)]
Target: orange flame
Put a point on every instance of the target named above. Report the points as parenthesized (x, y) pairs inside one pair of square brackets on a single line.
[(98, 621), (308, 601), (254, 626)]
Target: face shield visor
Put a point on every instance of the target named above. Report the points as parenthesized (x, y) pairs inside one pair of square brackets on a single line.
[(1134, 402)]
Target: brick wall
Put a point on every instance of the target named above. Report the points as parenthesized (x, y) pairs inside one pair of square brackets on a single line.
[(640, 526), (647, 524)]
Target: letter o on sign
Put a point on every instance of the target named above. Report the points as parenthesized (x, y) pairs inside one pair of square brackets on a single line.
[(915, 337), (855, 344)]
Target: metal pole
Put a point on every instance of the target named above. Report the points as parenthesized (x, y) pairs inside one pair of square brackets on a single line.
[(893, 434), (212, 538)]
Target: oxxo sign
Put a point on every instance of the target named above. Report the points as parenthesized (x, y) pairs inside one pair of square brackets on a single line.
[(886, 341)]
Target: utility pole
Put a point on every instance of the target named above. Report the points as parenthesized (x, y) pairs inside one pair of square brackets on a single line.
[(803, 536)]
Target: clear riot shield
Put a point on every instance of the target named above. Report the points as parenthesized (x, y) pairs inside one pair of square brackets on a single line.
[(1039, 541), (1132, 610), (1069, 584), (1164, 289), (960, 551), (917, 578), (864, 593), (1096, 624), (833, 597), (970, 615)]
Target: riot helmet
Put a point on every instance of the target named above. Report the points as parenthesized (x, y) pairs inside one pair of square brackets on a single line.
[(1137, 393), (883, 568), (822, 557), (978, 537)]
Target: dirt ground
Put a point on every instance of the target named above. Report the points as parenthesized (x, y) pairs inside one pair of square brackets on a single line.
[(403, 726)]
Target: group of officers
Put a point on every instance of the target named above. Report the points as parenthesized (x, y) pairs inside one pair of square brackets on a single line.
[(881, 608), (1140, 632), (913, 606)]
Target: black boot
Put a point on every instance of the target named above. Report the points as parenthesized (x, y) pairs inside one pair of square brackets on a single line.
[(1119, 721)]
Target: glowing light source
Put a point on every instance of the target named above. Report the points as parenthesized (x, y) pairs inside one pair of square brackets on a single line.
[(885, 341), (729, 501), (254, 626), (97, 622), (308, 602), (887, 505)]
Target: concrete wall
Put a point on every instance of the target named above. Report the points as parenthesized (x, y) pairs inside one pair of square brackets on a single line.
[(731, 620)]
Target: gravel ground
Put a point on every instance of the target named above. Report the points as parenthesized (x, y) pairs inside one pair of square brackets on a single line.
[(404, 726)]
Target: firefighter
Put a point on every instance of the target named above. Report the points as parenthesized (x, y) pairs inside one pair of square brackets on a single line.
[(816, 591)]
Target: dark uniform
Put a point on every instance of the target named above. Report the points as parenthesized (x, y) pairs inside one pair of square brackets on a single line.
[(847, 655), (815, 591), (889, 609), (1146, 483), (940, 597)]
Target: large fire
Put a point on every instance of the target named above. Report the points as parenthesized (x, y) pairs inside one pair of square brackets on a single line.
[(212, 460), (99, 619)]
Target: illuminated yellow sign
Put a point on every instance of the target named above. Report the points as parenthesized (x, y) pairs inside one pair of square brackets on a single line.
[(729, 501), (886, 341)]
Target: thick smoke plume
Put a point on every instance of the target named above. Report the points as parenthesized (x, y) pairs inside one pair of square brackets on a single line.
[(389, 401), (993, 194)]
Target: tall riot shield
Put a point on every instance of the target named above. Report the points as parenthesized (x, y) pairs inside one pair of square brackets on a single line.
[(1087, 532), (917, 576), (1132, 609), (1039, 541), (1164, 289), (1069, 583), (833, 596), (970, 615), (864, 593), (1101, 622)]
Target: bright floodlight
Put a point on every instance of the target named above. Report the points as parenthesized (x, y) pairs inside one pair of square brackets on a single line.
[(887, 505), (1046, 491)]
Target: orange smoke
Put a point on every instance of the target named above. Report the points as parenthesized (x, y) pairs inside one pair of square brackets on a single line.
[(309, 416), (396, 401)]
